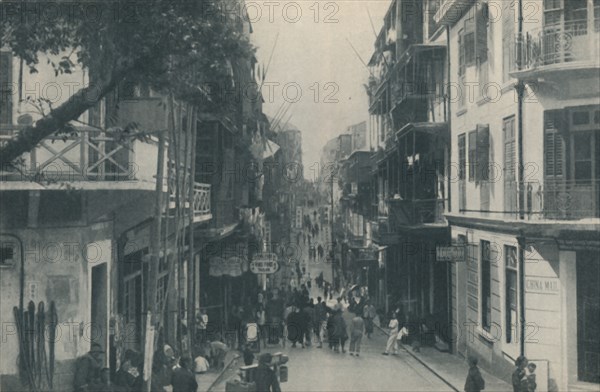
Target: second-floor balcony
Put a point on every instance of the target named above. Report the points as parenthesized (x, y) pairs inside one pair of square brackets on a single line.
[(403, 213), (550, 50), (87, 157), (562, 200)]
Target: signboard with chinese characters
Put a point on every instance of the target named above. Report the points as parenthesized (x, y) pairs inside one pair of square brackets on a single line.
[(454, 253), (298, 217), (231, 266), (265, 263)]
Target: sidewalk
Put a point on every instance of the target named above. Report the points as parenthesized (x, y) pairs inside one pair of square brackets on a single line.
[(452, 369)]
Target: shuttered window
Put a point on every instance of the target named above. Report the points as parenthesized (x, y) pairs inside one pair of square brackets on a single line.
[(508, 39), (483, 152), (510, 312), (486, 282), (462, 157), (6, 95), (510, 167), (554, 146), (482, 31), (469, 39), (472, 155)]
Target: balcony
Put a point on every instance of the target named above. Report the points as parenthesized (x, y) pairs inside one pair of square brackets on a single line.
[(87, 158), (562, 200), (405, 213), (551, 50)]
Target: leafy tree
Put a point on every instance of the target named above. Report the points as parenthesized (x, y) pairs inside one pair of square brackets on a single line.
[(168, 45)]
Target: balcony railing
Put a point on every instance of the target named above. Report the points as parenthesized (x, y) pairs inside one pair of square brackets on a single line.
[(562, 200), (88, 154), (201, 201), (572, 43), (415, 212)]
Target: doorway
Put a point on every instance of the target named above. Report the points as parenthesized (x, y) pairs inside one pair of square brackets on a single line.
[(588, 316), (99, 308)]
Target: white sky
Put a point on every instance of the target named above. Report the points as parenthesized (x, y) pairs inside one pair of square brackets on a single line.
[(309, 51)]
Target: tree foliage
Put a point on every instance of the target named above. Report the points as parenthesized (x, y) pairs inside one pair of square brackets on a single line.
[(169, 45)]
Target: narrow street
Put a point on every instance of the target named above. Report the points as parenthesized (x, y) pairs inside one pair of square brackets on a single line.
[(320, 369)]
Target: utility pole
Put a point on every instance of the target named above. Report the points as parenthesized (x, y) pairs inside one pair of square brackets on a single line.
[(332, 236)]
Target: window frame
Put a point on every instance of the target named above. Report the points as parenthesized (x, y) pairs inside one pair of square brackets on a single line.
[(6, 90), (472, 155), (485, 285), (510, 270)]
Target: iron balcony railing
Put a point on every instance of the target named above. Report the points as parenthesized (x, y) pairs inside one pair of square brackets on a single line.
[(571, 42), (562, 200)]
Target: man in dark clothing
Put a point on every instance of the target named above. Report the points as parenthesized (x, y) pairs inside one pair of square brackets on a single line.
[(474, 382), (183, 380), (265, 378), (87, 368)]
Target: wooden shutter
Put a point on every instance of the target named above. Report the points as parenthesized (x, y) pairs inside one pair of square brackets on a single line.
[(554, 145), (483, 152), (6, 95), (472, 155), (482, 32), (469, 38)]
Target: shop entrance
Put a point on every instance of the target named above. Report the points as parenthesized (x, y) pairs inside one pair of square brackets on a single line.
[(588, 316)]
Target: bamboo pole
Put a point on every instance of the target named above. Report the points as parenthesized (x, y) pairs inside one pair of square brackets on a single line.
[(191, 270), (153, 267)]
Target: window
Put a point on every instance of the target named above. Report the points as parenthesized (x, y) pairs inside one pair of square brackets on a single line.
[(486, 280), (469, 46), (6, 95), (554, 146), (462, 159), (7, 254), (510, 284), (508, 40), (461, 53), (483, 153), (482, 18), (582, 146), (510, 184), (472, 155)]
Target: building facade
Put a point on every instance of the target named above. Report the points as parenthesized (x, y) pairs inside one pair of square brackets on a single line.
[(524, 184)]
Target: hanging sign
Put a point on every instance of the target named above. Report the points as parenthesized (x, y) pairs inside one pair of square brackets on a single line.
[(450, 253), (264, 263), (233, 266)]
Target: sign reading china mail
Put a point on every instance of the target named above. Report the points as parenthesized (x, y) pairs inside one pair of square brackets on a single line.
[(264, 263)]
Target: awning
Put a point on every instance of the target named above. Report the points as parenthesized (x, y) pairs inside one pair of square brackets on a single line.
[(263, 150)]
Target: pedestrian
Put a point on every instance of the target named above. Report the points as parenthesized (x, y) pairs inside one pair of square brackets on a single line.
[(261, 320), (218, 351), (309, 282), (518, 374), (369, 314), (309, 315), (265, 377), (202, 323), (183, 380), (392, 343), (340, 331), (295, 330), (474, 382), (286, 314), (356, 333), (87, 368), (530, 382), (248, 355), (319, 322), (325, 290)]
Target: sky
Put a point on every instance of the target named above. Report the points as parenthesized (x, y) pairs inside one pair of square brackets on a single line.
[(314, 70)]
